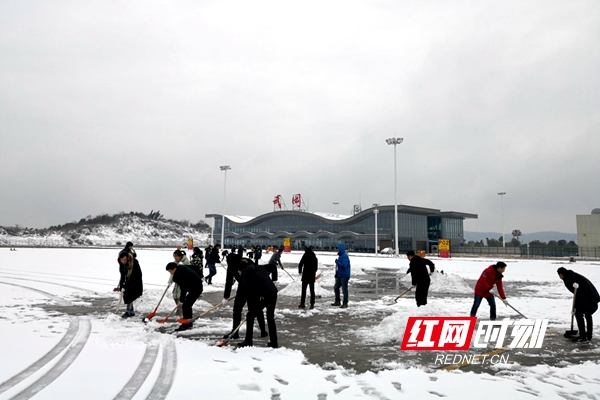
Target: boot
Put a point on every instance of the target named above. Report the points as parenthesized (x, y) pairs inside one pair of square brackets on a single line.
[(302, 306), (336, 304), (244, 344), (312, 306), (264, 333), (272, 345), (345, 305)]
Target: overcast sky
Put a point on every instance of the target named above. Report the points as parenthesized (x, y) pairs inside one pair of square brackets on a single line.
[(134, 105)]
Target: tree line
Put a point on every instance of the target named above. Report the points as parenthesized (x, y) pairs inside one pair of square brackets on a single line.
[(515, 242)]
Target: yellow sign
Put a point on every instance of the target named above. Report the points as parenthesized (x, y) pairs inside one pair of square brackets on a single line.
[(190, 244), (444, 244), (287, 242)]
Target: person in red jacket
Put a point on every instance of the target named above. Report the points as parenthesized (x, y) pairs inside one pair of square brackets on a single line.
[(491, 276)]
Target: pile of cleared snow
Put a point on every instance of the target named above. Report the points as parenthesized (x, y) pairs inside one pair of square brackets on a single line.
[(444, 283), (294, 289)]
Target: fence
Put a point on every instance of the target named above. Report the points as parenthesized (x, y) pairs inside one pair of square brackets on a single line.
[(531, 251)]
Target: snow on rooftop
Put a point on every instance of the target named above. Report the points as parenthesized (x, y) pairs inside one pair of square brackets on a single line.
[(240, 219)]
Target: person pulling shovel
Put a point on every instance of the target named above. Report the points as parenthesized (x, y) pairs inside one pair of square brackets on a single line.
[(585, 302)]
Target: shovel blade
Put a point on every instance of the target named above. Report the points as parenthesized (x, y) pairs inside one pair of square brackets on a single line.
[(151, 315), (570, 333)]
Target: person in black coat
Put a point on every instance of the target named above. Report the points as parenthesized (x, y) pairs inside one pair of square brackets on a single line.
[(420, 276), (262, 293), (212, 260), (307, 267), (191, 288), (197, 261), (241, 298), (257, 254), (586, 301), (130, 281)]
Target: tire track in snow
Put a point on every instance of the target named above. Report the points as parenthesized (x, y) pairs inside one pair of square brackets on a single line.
[(58, 300), (85, 329), (49, 356), (92, 279), (167, 373), (141, 373), (46, 282)]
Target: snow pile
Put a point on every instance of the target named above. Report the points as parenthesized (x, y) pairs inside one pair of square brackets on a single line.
[(444, 283)]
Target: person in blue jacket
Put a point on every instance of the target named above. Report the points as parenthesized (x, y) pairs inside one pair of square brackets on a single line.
[(342, 276)]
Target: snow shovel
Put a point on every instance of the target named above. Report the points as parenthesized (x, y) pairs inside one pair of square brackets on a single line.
[(293, 280), (223, 342), (572, 332), (169, 315), (406, 291), (214, 308), (153, 313), (511, 306), (120, 301)]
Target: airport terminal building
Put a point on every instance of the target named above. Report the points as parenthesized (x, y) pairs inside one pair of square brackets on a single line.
[(418, 229)]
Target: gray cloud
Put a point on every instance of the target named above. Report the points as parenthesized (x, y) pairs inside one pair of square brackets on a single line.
[(133, 106)]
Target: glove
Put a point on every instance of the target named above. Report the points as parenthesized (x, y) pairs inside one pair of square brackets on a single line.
[(505, 302), (116, 289), (225, 301), (573, 312), (575, 285)]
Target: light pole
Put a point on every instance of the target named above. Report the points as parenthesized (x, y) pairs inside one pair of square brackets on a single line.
[(501, 194), (224, 168), (395, 141), (376, 211)]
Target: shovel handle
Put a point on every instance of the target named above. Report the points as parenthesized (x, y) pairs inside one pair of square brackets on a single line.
[(119, 302), (293, 280), (214, 307), (508, 304), (169, 315), (226, 340), (406, 291)]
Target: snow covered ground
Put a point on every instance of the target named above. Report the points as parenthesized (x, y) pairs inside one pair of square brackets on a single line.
[(87, 352)]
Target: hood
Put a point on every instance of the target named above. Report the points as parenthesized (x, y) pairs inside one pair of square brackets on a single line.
[(341, 248)]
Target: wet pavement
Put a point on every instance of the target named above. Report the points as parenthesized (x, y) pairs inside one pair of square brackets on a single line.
[(328, 336)]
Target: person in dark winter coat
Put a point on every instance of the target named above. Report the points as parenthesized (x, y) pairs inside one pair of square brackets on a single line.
[(491, 276), (211, 261), (420, 276), (307, 268), (190, 285), (257, 254), (274, 263), (197, 262), (233, 260), (130, 282), (262, 293), (342, 276), (586, 301)]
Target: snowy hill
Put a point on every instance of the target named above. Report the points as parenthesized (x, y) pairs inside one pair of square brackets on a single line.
[(107, 230)]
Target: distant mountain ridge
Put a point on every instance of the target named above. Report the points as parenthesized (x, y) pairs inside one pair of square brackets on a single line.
[(105, 230), (525, 238)]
